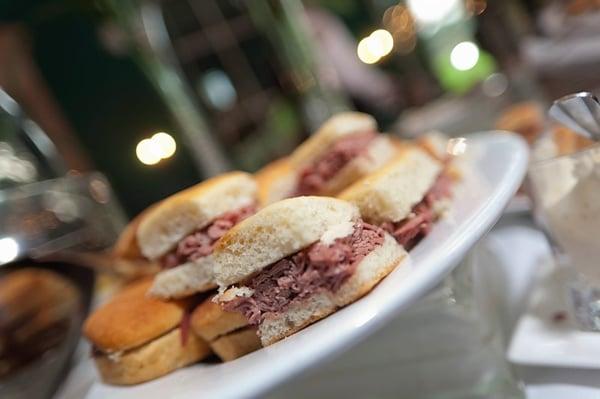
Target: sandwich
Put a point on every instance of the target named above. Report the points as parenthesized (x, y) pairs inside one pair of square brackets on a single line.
[(228, 333), (346, 148), (405, 197), (298, 260), (136, 338), (180, 232)]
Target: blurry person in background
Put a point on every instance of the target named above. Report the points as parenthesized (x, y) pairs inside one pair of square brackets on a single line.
[(338, 66)]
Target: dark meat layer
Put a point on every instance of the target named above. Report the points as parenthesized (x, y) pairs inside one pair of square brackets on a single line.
[(410, 231), (201, 242), (313, 177), (316, 268)]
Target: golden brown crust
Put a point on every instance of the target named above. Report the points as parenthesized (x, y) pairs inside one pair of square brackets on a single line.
[(152, 360), (270, 177), (236, 344), (131, 319), (210, 321), (399, 143), (126, 245), (526, 119)]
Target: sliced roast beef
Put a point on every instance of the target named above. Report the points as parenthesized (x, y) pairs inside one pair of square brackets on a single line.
[(410, 231), (313, 178), (201, 242), (316, 268)]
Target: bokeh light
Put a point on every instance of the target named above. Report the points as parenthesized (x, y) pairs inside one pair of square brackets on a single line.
[(375, 46), (464, 56), (381, 42), (148, 152), (432, 12), (399, 22), (364, 52), (9, 249), (166, 143), (158, 147)]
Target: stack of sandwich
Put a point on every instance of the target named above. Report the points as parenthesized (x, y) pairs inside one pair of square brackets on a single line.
[(249, 260)]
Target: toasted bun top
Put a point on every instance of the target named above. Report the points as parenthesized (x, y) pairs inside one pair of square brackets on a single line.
[(275, 181), (127, 245), (275, 232), (333, 129), (194, 208), (390, 193), (436, 144), (131, 319)]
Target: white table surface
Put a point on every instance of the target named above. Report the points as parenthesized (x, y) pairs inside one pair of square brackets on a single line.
[(521, 246)]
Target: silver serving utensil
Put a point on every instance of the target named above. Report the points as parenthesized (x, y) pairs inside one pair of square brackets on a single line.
[(579, 112)]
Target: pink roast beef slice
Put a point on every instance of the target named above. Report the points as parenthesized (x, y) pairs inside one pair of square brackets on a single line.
[(313, 177)]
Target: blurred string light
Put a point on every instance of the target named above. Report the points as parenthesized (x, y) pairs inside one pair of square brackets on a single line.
[(375, 46), (399, 21), (464, 56), (9, 249), (152, 150), (434, 12)]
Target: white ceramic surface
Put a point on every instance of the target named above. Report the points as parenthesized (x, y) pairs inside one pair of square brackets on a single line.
[(541, 340), (494, 165)]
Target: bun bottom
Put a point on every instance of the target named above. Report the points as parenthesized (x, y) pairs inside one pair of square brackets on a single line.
[(372, 269), (152, 360), (236, 344)]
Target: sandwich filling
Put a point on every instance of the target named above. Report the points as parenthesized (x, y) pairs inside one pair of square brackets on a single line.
[(317, 268), (201, 242), (409, 231), (313, 177)]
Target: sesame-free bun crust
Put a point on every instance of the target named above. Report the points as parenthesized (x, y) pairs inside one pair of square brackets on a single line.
[(131, 319), (210, 321), (274, 232), (276, 181), (194, 208), (333, 129), (374, 267), (236, 344), (127, 246), (151, 360), (390, 193)]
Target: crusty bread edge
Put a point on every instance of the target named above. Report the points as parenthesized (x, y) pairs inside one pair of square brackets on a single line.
[(152, 360)]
